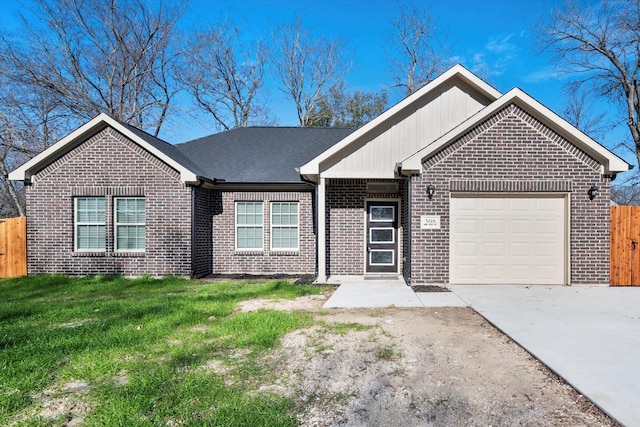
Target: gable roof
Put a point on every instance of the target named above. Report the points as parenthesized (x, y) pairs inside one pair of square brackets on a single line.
[(312, 168), (611, 163), (260, 154), (189, 172)]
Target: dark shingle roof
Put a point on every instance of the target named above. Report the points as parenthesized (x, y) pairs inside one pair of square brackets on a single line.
[(166, 148), (259, 154)]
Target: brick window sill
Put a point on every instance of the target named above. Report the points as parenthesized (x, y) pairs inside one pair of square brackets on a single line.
[(266, 253), (128, 254), (112, 254), (89, 254)]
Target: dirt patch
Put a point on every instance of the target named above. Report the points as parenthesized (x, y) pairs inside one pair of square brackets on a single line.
[(418, 367), (305, 303)]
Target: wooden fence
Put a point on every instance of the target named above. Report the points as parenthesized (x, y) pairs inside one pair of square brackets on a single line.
[(625, 246), (13, 247)]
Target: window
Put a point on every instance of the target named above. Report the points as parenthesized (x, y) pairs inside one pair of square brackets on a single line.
[(284, 226), (249, 225), (89, 224), (129, 224)]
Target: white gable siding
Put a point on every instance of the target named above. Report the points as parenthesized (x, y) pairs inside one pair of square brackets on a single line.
[(376, 153)]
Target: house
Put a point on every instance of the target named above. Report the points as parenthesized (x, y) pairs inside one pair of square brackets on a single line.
[(457, 183)]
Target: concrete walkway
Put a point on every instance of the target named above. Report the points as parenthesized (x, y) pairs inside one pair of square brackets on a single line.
[(588, 336), (388, 293)]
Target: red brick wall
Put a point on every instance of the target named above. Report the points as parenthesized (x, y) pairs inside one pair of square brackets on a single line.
[(226, 260), (345, 216), (512, 152), (108, 164)]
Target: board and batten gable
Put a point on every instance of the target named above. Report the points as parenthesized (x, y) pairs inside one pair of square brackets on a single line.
[(108, 164), (373, 154)]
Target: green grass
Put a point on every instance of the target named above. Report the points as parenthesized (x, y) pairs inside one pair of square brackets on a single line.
[(143, 347)]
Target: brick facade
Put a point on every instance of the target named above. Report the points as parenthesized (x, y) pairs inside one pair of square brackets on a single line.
[(109, 165), (228, 260), (512, 152), (345, 223)]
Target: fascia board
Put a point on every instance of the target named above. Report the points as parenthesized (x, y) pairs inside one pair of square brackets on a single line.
[(612, 162), (313, 167), (23, 173)]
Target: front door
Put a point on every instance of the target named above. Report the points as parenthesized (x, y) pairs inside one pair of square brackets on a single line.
[(382, 237)]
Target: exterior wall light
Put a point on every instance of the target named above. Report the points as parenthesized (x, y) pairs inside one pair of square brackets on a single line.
[(592, 192), (430, 190)]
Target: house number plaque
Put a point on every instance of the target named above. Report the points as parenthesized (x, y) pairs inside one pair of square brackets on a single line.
[(430, 222)]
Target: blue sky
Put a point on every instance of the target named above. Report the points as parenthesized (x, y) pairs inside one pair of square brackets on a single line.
[(492, 38)]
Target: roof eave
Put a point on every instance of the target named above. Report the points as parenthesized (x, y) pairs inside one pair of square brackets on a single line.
[(610, 161), (24, 172)]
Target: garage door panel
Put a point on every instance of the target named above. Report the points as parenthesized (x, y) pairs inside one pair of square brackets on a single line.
[(519, 240)]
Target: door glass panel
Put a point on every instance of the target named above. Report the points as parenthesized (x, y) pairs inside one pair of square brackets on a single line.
[(378, 257), (381, 213), (381, 235)]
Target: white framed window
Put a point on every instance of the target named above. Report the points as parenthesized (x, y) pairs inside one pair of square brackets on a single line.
[(89, 224), (130, 224), (285, 226), (249, 226)]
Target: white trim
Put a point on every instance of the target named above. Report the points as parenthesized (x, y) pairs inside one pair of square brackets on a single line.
[(312, 168), (235, 226), (116, 224), (75, 224), (611, 162), (321, 206), (271, 226), (24, 172)]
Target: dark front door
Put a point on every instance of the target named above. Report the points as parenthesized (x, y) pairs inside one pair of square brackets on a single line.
[(382, 237)]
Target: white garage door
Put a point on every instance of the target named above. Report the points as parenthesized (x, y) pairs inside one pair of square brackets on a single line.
[(511, 240)]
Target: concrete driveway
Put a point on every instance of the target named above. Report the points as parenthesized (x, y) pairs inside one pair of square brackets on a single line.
[(590, 336)]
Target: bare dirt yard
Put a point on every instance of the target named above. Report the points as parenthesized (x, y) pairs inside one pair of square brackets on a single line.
[(416, 367)]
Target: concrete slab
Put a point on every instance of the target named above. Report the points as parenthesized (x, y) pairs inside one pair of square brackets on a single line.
[(440, 299), (373, 294), (588, 335)]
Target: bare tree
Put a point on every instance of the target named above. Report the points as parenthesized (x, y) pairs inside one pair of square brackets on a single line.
[(627, 192), (29, 123), (224, 76), (341, 108), (112, 56), (600, 46), (579, 112), (307, 66), (418, 53)]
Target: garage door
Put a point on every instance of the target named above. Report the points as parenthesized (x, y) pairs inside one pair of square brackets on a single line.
[(511, 240)]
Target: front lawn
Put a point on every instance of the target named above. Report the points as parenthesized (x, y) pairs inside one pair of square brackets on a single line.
[(112, 351)]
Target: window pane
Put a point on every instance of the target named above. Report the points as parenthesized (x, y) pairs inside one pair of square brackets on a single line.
[(90, 237), (249, 238), (131, 237), (130, 210), (382, 235), (381, 213), (249, 213), (285, 238), (381, 258), (90, 209)]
